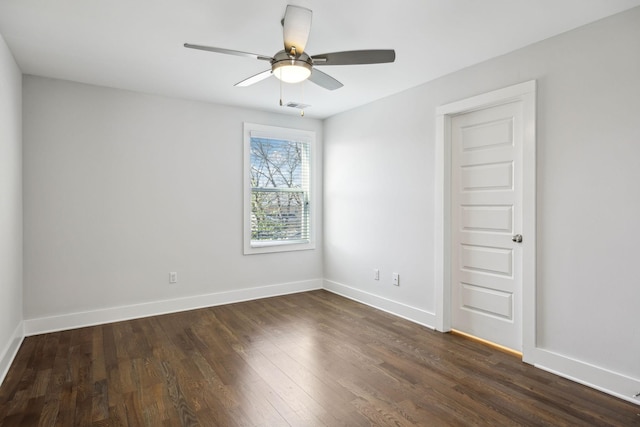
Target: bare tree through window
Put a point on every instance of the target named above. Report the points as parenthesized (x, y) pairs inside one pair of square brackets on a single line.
[(279, 190)]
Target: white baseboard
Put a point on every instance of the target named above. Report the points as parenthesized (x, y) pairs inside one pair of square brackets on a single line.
[(115, 314), (604, 380), (11, 350), (601, 379), (615, 384), (408, 312)]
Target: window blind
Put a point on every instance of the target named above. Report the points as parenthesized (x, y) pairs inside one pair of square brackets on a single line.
[(279, 190)]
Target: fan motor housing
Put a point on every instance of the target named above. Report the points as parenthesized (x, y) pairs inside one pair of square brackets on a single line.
[(291, 68)]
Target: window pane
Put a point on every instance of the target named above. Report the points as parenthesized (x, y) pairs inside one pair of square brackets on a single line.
[(277, 164), (279, 191), (278, 216)]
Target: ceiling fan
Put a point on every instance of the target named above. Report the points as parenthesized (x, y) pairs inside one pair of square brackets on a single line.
[(293, 64)]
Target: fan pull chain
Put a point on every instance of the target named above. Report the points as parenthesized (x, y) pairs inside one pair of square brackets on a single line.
[(302, 96), (280, 92)]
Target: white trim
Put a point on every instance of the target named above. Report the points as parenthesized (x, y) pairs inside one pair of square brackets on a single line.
[(496, 97), (613, 383), (525, 93), (115, 314), (307, 136), (11, 350), (442, 215), (529, 224), (413, 314), (604, 380), (607, 381)]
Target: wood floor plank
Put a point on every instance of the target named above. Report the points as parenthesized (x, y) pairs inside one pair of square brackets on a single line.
[(308, 359)]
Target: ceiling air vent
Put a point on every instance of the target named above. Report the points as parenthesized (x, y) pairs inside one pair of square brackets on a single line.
[(298, 105)]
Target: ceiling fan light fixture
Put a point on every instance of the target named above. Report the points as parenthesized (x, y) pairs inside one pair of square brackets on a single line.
[(293, 65), (292, 71)]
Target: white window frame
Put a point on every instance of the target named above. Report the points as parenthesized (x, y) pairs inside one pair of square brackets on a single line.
[(274, 132)]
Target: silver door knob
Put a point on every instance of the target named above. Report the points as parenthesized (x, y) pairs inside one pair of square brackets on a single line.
[(517, 238)]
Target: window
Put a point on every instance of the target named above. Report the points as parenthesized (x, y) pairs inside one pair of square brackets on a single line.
[(278, 201)]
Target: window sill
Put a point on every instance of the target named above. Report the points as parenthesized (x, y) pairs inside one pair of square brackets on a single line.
[(275, 247)]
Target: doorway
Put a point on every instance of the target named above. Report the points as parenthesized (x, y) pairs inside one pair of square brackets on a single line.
[(485, 217)]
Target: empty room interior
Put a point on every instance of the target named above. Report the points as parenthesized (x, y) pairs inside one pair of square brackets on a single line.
[(204, 220)]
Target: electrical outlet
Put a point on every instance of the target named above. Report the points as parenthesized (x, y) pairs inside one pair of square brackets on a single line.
[(173, 277), (376, 274), (396, 279)]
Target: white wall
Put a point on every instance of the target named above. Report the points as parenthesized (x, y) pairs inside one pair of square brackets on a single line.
[(379, 193), (379, 204), (10, 207), (122, 188)]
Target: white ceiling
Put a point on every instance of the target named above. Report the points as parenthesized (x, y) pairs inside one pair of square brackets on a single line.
[(138, 44)]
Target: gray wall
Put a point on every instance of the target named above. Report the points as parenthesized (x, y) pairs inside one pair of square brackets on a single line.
[(379, 189), (10, 206), (122, 188)]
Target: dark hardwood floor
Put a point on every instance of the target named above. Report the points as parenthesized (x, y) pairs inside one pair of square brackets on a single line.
[(310, 359)]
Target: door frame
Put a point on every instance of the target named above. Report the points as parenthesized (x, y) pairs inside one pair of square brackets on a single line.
[(525, 93)]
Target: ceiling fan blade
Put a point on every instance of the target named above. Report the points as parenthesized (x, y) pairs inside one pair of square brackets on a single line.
[(228, 51), (355, 57), (254, 79), (296, 27), (324, 80)]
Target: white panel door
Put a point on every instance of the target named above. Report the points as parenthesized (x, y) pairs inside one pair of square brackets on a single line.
[(486, 217)]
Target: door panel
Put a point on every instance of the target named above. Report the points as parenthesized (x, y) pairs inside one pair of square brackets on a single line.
[(486, 187), (487, 218), (487, 135), (489, 301), (484, 177), (486, 260)]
